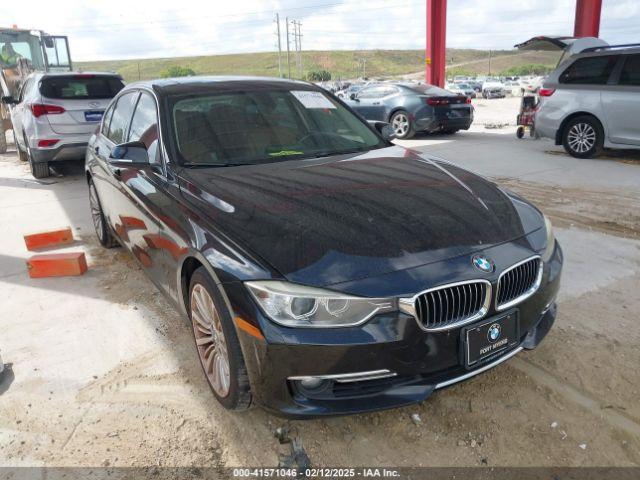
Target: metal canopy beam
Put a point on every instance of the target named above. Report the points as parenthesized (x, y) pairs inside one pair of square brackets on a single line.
[(587, 23), (436, 41)]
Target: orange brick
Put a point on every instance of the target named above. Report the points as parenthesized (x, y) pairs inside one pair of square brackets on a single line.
[(57, 265), (36, 241)]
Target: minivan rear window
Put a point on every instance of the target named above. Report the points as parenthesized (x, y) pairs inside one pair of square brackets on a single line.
[(80, 87), (589, 70)]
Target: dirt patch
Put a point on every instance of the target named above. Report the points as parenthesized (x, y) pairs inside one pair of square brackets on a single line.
[(615, 213)]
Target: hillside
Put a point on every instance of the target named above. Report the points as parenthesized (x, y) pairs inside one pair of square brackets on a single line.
[(341, 63)]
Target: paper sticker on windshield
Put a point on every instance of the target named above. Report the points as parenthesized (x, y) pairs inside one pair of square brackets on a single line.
[(312, 99)]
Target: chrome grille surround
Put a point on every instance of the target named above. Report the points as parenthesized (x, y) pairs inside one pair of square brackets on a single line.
[(454, 304), (519, 282)]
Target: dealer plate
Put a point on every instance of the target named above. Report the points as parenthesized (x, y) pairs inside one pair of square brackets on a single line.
[(93, 115), (490, 338)]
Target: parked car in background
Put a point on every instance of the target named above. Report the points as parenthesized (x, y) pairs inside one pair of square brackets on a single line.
[(493, 89), (322, 269), (466, 89), (352, 89), (56, 113), (591, 101), (411, 108), (512, 88)]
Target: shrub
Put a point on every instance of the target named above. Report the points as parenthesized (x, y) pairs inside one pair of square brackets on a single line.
[(178, 71), (319, 76)]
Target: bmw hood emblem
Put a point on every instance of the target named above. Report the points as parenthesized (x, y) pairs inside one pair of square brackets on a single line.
[(493, 333), (482, 263)]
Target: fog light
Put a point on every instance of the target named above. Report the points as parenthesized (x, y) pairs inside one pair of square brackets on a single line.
[(312, 383)]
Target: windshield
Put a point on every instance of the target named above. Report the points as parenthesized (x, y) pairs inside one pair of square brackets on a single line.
[(265, 126), (18, 44)]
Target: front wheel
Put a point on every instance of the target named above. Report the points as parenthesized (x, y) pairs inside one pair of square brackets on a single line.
[(217, 343), (583, 137), (402, 125), (103, 231)]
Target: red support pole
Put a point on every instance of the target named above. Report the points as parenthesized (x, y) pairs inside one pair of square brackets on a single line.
[(587, 22), (436, 41)]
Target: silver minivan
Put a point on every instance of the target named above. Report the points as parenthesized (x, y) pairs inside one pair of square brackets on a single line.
[(56, 113), (591, 101)]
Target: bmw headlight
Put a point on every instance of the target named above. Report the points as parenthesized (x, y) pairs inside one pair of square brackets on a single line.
[(551, 241), (294, 305)]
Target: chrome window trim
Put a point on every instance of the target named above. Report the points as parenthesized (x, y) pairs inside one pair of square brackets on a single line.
[(407, 305), (507, 356), (525, 295)]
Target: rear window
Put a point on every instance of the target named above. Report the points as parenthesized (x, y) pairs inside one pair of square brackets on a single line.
[(425, 89), (589, 70), (80, 87)]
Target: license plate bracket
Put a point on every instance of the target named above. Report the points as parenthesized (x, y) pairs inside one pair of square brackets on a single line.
[(490, 338)]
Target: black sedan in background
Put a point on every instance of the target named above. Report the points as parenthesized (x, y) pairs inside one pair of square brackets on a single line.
[(412, 108), (323, 270)]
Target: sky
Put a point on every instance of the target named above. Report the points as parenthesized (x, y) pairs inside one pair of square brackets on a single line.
[(118, 29)]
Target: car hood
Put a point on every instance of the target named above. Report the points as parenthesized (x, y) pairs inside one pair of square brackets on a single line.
[(331, 220)]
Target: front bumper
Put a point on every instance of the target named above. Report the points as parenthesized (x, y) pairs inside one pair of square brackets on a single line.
[(62, 152), (420, 362)]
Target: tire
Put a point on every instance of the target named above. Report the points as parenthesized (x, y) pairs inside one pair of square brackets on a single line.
[(22, 154), (402, 125), (103, 231), (3, 137), (38, 169), (215, 334), (583, 137), (520, 132)]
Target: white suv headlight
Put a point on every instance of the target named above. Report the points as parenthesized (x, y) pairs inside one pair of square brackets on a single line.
[(551, 241), (294, 305)]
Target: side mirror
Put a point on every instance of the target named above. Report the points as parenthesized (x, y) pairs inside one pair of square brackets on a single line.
[(386, 130), (48, 42), (9, 100), (131, 154), (353, 96)]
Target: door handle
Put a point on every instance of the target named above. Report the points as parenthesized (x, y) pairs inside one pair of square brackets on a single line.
[(376, 103), (96, 150)]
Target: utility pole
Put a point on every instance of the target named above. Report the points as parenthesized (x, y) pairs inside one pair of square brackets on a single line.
[(300, 48), (489, 62), (295, 41), (288, 50), (279, 45)]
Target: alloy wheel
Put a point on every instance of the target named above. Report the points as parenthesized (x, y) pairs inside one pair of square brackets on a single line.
[(581, 137), (96, 212), (400, 124), (210, 340)]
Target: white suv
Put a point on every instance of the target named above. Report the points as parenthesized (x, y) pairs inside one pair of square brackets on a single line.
[(56, 113), (592, 100)]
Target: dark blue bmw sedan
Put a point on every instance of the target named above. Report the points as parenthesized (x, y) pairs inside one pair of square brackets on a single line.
[(322, 269)]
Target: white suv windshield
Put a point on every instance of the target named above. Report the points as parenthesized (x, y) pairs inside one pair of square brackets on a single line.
[(264, 126)]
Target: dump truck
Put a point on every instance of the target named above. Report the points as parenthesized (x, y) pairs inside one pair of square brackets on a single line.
[(21, 53)]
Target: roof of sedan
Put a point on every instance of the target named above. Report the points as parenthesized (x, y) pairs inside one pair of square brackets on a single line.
[(182, 84)]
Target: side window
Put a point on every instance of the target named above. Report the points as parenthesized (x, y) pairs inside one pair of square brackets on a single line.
[(144, 125), (372, 92), (630, 74), (589, 71), (121, 116), (106, 120)]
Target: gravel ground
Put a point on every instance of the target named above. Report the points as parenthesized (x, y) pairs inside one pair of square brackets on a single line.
[(103, 371)]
